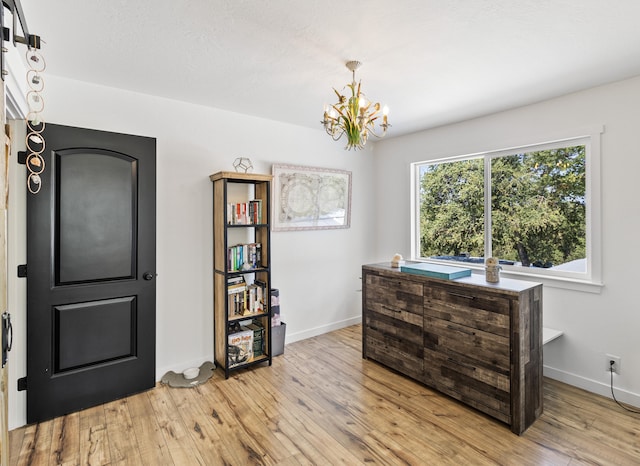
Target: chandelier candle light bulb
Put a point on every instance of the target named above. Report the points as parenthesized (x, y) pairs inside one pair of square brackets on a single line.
[(354, 116)]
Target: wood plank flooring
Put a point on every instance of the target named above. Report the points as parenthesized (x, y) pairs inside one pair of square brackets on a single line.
[(321, 404)]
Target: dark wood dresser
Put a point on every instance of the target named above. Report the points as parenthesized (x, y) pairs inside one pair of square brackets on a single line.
[(475, 341)]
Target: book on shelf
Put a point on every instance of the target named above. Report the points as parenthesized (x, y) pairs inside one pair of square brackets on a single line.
[(240, 347), (236, 303), (258, 337), (255, 211), (239, 279), (245, 213), (261, 295), (236, 288)]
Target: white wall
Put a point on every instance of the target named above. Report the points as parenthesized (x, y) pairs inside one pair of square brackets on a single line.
[(317, 272), (594, 324)]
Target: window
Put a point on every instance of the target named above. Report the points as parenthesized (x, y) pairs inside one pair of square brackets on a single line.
[(531, 207)]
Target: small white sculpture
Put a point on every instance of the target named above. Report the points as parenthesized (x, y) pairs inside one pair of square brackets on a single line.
[(397, 261), (492, 270)]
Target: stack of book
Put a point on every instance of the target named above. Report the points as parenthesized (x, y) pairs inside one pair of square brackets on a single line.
[(244, 257), (245, 213), (258, 337), (245, 299), (236, 291)]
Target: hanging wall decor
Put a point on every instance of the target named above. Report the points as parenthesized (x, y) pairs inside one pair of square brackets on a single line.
[(32, 157), (309, 198), (35, 124)]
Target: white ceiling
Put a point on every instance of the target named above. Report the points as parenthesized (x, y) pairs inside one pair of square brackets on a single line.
[(431, 61)]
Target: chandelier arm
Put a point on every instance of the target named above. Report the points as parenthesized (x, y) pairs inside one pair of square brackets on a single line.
[(372, 130), (333, 135), (340, 112)]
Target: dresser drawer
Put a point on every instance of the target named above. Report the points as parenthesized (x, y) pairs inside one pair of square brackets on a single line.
[(393, 318), (484, 311), (394, 344), (469, 364), (395, 353), (401, 299), (484, 349), (472, 383)]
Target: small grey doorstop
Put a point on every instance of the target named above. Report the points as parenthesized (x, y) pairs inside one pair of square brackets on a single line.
[(179, 381)]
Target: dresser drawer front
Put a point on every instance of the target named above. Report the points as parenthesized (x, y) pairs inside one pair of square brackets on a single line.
[(485, 349), (398, 298), (486, 390), (404, 285), (484, 311), (468, 364), (395, 343)]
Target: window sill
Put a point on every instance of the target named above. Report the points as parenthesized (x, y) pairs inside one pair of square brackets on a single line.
[(573, 284)]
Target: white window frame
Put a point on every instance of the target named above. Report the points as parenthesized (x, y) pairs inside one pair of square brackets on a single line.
[(591, 280)]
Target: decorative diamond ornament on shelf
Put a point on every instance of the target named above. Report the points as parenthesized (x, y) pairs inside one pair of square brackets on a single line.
[(243, 165)]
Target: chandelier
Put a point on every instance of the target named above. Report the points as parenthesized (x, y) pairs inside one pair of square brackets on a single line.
[(353, 115)]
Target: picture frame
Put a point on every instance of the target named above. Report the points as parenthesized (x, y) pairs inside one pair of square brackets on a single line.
[(310, 198)]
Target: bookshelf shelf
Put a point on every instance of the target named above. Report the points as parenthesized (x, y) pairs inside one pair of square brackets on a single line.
[(233, 273), (260, 359), (240, 225), (242, 270), (247, 316)]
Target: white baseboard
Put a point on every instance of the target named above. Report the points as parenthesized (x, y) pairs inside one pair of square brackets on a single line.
[(593, 386), (313, 332)]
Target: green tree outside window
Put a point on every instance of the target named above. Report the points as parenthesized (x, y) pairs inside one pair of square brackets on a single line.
[(538, 211)]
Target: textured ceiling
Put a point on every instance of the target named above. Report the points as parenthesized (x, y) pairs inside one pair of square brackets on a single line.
[(431, 61)]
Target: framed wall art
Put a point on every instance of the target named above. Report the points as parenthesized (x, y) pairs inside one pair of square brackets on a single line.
[(309, 198)]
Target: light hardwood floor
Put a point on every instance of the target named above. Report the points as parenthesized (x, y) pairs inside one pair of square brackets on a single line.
[(321, 404)]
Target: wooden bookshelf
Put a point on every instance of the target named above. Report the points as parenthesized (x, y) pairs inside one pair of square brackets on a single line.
[(233, 241)]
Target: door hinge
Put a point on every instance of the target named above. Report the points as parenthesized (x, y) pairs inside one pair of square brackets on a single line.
[(22, 270), (22, 157), (22, 384)]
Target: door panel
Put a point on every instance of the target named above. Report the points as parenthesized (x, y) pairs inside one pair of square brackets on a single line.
[(96, 216), (91, 270), (94, 333)]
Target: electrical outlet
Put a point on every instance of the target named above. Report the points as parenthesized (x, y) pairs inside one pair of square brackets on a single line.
[(616, 363)]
